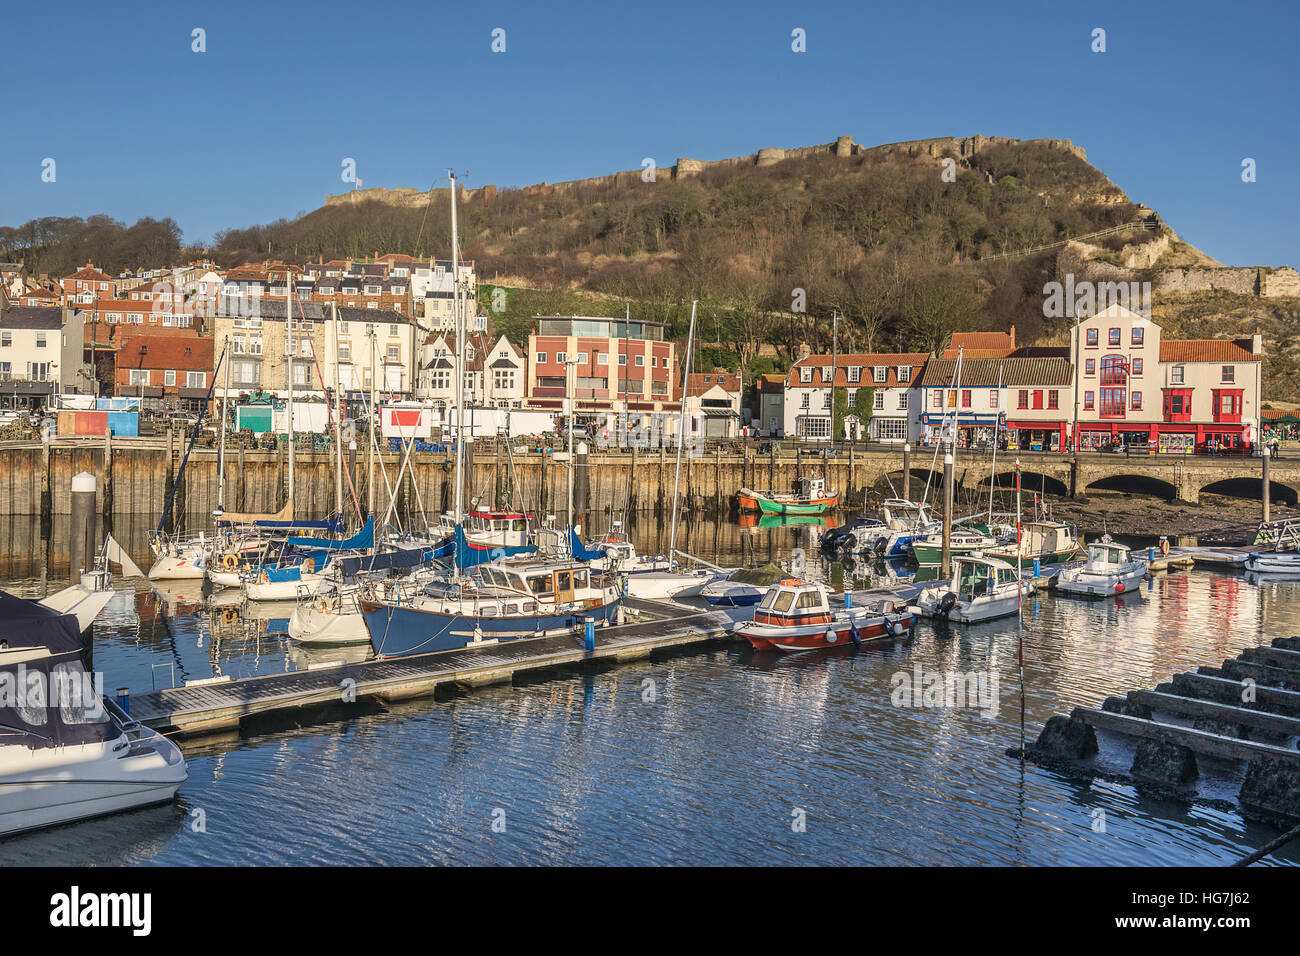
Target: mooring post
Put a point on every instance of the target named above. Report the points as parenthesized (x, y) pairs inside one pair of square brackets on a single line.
[(582, 483), (907, 471), (82, 530), (1264, 459), (108, 471)]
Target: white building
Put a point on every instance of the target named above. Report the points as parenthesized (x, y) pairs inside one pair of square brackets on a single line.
[(890, 376), (433, 294)]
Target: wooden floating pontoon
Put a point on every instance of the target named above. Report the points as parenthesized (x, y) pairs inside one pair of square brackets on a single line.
[(218, 705)]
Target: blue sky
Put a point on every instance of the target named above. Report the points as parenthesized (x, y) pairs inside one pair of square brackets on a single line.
[(256, 127)]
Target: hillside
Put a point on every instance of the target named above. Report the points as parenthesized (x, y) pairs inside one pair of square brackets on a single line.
[(904, 253)]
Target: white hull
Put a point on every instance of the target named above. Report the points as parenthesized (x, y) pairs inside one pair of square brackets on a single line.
[(983, 608), (1099, 584), (1276, 563), (79, 600), (224, 579), (660, 585), (176, 568), (312, 626), (305, 586), (734, 593), (49, 786)]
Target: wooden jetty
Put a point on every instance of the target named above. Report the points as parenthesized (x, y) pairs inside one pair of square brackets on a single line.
[(1244, 716), (217, 705)]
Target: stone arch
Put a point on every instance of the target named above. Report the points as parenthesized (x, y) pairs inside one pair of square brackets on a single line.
[(894, 479), (1252, 487), (1030, 481), (1135, 485)]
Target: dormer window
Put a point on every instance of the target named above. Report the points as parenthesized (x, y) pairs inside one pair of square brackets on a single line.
[(879, 373), (805, 374)]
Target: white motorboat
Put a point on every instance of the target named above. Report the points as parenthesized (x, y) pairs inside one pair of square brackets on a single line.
[(65, 753), (1273, 562), (1111, 568), (981, 588)]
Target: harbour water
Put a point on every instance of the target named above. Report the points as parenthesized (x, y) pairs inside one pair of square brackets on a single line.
[(723, 757)]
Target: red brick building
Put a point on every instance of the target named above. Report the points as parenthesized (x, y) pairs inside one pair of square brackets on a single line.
[(164, 369)]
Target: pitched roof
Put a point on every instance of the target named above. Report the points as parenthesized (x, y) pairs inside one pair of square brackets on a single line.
[(988, 344), (90, 272), (986, 373), (166, 351), (1206, 350), (32, 317), (864, 360), (699, 383)]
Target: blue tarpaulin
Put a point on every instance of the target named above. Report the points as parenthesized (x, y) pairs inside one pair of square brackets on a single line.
[(363, 540)]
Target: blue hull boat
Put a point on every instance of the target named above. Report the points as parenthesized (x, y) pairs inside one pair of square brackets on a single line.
[(396, 631)]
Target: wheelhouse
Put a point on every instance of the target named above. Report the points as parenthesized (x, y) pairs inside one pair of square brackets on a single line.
[(977, 577), (792, 602)]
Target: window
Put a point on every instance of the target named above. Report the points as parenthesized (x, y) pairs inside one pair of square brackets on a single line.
[(1137, 337), (1114, 370), (803, 400), (239, 345), (1176, 375), (139, 376), (1137, 401), (879, 404), (993, 398), (6, 371), (1087, 400), (904, 373), (879, 373), (622, 360), (1092, 338), (345, 351), (541, 358), (254, 345), (1022, 401), (855, 373), (640, 361), (196, 379), (38, 371), (392, 330), (1137, 366), (827, 399), (394, 353), (828, 373), (1090, 367), (562, 357), (246, 372), (965, 398), (937, 401), (1229, 371), (169, 377), (1178, 405), (602, 358), (6, 339), (805, 374), (40, 344), (902, 400), (814, 427), (1053, 399), (1114, 401), (1113, 337)]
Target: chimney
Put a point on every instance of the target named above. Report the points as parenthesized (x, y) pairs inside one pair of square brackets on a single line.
[(1012, 333), (1257, 343)]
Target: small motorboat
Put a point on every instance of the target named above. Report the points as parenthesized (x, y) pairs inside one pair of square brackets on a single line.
[(1050, 542), (981, 588), (743, 588), (809, 497), (1110, 569), (82, 757), (795, 615), (1273, 562), (928, 549)]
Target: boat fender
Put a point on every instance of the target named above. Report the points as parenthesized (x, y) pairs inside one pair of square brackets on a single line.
[(947, 603), (853, 633), (831, 636), (881, 545), (911, 625), (229, 562), (896, 627), (1119, 587)]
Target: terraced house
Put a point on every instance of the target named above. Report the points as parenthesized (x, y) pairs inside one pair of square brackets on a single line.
[(888, 379)]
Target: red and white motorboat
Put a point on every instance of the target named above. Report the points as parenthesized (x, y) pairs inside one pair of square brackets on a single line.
[(795, 615)]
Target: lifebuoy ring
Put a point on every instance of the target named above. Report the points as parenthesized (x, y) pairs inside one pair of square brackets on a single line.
[(229, 562), (228, 615), (1164, 546)]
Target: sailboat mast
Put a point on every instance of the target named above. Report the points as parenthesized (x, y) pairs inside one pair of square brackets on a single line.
[(681, 433), (221, 454), (458, 374), (288, 365), (370, 431), (993, 472), (338, 418)]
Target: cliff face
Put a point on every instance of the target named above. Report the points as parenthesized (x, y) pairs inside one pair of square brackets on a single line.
[(959, 148)]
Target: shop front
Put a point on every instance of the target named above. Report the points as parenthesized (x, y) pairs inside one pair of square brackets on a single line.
[(973, 431), (1163, 438), (1035, 436)]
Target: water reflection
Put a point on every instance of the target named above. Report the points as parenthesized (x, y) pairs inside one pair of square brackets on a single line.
[(699, 758)]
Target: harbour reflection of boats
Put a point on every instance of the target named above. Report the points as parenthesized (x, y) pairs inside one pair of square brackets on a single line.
[(785, 521), (304, 657), (178, 596)]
